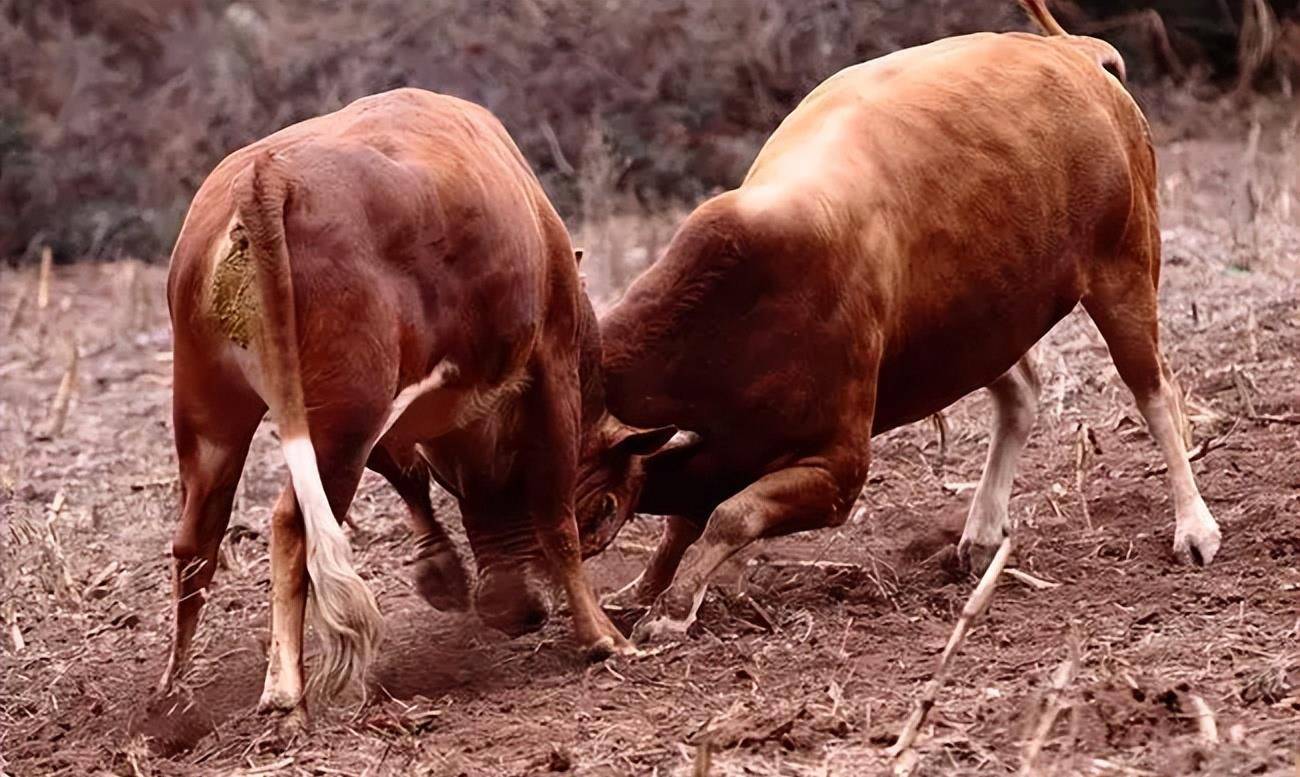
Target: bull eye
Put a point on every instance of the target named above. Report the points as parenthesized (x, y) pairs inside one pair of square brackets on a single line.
[(611, 504)]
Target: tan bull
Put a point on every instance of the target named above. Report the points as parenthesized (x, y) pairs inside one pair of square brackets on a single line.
[(903, 239)]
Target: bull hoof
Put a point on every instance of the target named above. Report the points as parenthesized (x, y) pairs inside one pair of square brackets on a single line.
[(671, 615), (974, 554), (609, 646), (441, 581), (516, 624), (509, 601), (975, 558), (652, 629), (286, 722), (1197, 536)]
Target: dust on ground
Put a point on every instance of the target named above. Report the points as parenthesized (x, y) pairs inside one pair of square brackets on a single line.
[(808, 652)]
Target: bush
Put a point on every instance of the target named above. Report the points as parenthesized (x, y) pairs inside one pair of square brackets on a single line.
[(117, 109)]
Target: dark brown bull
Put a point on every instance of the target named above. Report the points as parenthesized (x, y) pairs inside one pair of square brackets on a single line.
[(903, 238), (391, 281)]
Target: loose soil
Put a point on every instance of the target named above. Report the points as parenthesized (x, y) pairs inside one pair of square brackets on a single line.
[(809, 651)]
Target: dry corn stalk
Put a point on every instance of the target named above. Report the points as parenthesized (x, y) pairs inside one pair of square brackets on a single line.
[(1256, 41), (1205, 723), (58, 415), (901, 751), (1051, 706), (20, 306), (54, 549), (15, 633), (43, 286), (1085, 444)]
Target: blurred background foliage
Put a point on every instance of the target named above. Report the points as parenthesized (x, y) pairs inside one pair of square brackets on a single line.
[(113, 111)]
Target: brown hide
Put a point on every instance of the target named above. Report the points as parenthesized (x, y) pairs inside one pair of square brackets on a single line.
[(914, 226), (903, 238), (392, 278)]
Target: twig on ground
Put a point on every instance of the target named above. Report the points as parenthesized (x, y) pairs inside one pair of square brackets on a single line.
[(1085, 444), (901, 751), (58, 414), (43, 285), (1203, 448), (15, 633), (1205, 722), (1252, 327), (54, 549), (1031, 581), (20, 305), (762, 613), (1290, 418), (814, 563), (1243, 392), (1051, 707), (703, 758)]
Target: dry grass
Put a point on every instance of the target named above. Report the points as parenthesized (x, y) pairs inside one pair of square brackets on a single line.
[(809, 654)]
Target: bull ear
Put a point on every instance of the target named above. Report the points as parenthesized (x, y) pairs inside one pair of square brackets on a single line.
[(642, 442), (682, 442)]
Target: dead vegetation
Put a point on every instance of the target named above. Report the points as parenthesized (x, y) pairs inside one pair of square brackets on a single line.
[(112, 111), (1099, 655)]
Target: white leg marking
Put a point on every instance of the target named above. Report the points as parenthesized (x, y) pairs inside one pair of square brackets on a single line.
[(1196, 534), (1014, 411), (658, 625)]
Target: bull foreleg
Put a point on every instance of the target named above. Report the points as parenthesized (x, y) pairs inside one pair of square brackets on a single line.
[(551, 477), (1015, 407), (802, 497), (440, 576), (679, 534)]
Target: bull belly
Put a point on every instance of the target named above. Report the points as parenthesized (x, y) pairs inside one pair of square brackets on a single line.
[(920, 382)]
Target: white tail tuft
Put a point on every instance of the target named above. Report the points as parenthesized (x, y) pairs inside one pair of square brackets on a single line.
[(342, 607)]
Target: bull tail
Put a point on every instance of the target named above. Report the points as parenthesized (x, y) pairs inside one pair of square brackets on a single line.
[(1100, 51), (343, 609), (1038, 10)]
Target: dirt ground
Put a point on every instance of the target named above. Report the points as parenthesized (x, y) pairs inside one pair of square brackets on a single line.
[(808, 653)]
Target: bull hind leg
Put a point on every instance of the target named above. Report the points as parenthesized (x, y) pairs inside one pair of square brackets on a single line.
[(1122, 302), (440, 577), (211, 457), (342, 440), (812, 493), (1015, 408)]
